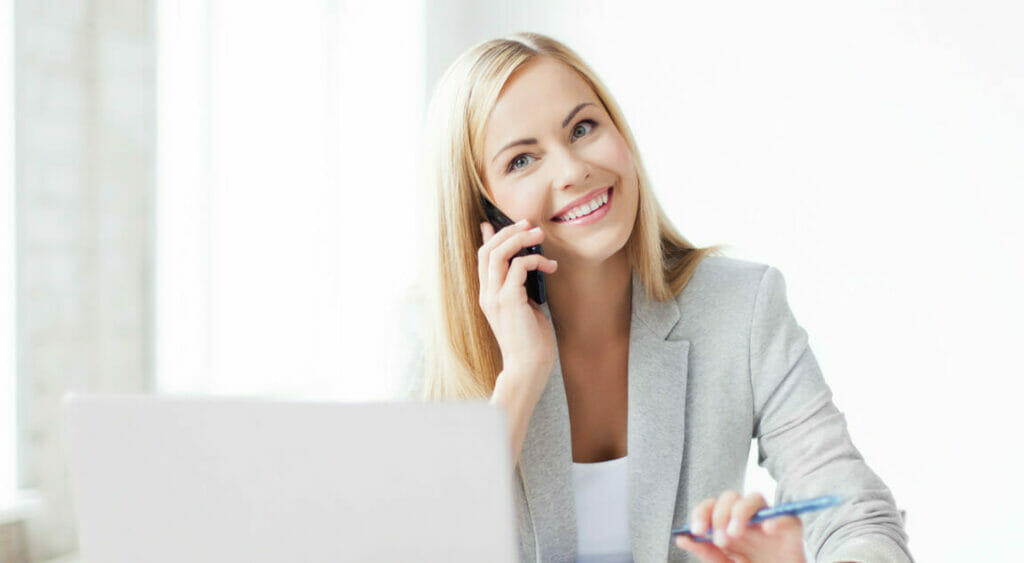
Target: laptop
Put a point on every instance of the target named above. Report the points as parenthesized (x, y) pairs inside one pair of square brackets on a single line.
[(175, 479)]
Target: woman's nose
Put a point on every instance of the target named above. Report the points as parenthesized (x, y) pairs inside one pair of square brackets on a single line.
[(573, 170)]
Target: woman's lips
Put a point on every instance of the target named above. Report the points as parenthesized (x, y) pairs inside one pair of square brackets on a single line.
[(592, 217), (580, 201)]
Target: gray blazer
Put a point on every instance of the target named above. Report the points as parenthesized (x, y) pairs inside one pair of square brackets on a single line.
[(722, 363)]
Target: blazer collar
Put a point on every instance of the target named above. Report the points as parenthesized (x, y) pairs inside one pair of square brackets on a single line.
[(655, 428)]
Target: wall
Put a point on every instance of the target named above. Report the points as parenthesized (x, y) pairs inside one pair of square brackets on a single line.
[(85, 151)]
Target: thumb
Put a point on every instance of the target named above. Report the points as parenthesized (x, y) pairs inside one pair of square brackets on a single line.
[(706, 552), (780, 525)]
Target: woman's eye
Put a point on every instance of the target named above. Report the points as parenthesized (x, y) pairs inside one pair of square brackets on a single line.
[(582, 128), (518, 162)]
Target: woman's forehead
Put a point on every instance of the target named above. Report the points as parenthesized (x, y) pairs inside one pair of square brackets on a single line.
[(539, 93)]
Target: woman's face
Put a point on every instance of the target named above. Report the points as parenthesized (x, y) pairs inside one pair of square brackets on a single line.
[(552, 155)]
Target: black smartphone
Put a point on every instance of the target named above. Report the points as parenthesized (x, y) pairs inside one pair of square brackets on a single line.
[(534, 278)]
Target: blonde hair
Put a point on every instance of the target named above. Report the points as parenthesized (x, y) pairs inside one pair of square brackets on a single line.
[(462, 356)]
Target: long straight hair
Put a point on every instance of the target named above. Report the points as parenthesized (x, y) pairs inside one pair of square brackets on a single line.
[(462, 358)]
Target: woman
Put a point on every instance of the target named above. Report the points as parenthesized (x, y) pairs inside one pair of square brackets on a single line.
[(633, 393)]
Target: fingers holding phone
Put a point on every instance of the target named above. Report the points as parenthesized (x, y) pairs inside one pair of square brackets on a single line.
[(534, 283), (505, 256), (521, 267), (524, 334)]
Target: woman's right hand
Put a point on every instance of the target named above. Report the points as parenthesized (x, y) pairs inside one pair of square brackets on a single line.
[(525, 336)]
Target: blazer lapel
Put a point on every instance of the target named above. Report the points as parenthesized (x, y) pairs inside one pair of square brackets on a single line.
[(656, 403), (656, 423), (545, 464)]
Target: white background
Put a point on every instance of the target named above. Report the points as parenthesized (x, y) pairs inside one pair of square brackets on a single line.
[(872, 151), (7, 381)]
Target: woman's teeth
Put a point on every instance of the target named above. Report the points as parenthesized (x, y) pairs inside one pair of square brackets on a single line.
[(586, 208)]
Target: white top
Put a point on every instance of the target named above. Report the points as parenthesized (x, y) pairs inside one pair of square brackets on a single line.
[(602, 512)]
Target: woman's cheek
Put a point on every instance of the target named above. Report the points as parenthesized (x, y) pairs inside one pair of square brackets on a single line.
[(526, 201), (614, 154), (623, 158)]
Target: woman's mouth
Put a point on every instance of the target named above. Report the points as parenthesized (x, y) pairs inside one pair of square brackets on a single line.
[(588, 212)]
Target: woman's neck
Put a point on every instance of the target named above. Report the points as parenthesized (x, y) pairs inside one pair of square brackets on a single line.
[(591, 302)]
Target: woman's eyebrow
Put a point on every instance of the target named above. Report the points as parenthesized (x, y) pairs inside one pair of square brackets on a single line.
[(533, 141), (574, 111)]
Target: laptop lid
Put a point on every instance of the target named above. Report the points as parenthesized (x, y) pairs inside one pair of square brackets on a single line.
[(172, 479)]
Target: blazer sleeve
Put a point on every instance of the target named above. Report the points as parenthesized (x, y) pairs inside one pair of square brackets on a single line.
[(803, 441)]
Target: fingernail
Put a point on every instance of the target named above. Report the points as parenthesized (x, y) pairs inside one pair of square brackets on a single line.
[(696, 529), (733, 529), (521, 223), (535, 230), (719, 537)]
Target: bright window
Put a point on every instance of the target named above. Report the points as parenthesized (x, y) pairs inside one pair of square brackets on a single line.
[(8, 381), (285, 176)]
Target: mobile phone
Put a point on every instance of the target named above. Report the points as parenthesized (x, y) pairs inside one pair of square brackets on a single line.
[(534, 278)]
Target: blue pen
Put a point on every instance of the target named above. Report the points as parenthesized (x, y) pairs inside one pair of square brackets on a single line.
[(785, 509)]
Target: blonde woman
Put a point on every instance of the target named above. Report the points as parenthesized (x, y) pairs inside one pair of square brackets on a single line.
[(633, 393)]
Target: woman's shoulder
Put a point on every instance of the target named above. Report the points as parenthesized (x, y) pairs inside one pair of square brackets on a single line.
[(728, 265), (726, 292), (721, 277), (733, 293)]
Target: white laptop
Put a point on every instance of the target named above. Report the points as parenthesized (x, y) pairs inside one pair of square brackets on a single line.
[(170, 479)]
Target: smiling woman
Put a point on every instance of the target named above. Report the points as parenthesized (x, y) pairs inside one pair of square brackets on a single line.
[(458, 173), (633, 393), (590, 165)]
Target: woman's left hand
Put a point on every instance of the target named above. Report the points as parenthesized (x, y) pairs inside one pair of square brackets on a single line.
[(777, 539)]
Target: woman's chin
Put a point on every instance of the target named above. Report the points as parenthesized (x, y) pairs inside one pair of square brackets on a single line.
[(589, 244), (599, 252)]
